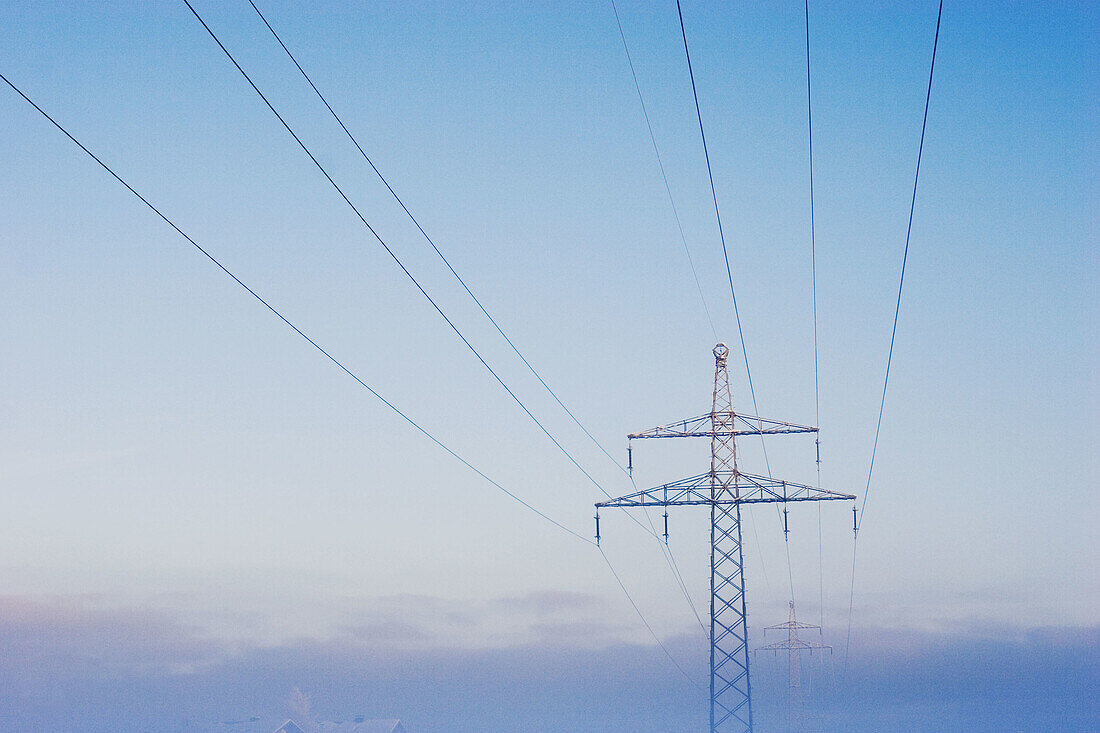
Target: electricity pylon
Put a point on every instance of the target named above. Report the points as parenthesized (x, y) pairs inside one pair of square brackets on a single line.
[(724, 489), (794, 647)]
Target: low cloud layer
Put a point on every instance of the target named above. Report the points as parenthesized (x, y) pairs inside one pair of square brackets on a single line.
[(64, 666)]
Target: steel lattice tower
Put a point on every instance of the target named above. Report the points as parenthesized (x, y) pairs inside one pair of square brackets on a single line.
[(724, 489), (793, 646)]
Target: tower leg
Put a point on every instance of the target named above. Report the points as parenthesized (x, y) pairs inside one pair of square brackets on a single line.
[(730, 692)]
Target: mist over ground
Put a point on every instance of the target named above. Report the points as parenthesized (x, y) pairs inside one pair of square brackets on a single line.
[(66, 668)]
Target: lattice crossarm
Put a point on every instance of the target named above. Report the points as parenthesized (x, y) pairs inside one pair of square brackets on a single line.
[(693, 427), (790, 625), (657, 497), (701, 426), (695, 492)]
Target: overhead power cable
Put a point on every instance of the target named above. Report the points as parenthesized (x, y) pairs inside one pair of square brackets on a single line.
[(419, 428), (813, 279), (670, 560), (904, 260), (343, 126), (718, 217), (649, 628), (664, 176), (666, 550), (684, 590), (729, 272), (394, 256), (894, 330), (667, 553), (283, 318), (414, 220)]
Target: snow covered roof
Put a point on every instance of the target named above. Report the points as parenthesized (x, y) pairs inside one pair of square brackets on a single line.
[(364, 726), (258, 725), (268, 725)]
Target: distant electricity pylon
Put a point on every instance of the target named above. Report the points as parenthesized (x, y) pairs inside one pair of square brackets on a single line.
[(796, 714), (724, 489)]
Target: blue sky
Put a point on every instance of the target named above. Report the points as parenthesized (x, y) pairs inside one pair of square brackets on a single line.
[(172, 453)]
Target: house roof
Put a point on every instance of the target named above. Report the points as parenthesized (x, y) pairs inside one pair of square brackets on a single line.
[(364, 726), (268, 725), (258, 725), (289, 727)]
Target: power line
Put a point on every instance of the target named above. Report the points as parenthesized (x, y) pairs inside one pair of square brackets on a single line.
[(667, 551), (419, 428), (813, 277), (671, 560), (894, 330), (283, 318), (718, 216), (414, 220), (904, 260), (391, 253), (694, 610), (664, 176), (649, 628), (672, 564), (343, 367), (729, 272)]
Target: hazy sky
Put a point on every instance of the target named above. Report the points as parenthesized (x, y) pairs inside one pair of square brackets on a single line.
[(176, 462)]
